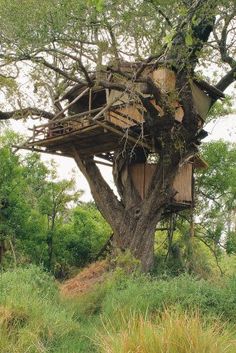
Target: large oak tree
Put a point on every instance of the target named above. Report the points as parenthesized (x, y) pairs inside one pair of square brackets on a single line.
[(60, 43)]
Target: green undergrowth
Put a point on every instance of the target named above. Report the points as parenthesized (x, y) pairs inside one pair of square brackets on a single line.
[(34, 318), (145, 294)]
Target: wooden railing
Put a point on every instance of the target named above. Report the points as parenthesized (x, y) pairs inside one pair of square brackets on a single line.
[(58, 128)]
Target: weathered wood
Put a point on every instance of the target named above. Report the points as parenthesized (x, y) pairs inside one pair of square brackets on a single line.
[(52, 140), (125, 117), (165, 79), (201, 100), (127, 137), (71, 103), (142, 173), (183, 184), (213, 91), (103, 163), (33, 149)]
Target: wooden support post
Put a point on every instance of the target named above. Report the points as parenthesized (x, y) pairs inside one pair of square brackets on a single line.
[(71, 103)]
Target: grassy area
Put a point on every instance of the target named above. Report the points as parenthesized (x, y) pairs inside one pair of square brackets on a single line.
[(172, 331), (128, 313), (32, 319)]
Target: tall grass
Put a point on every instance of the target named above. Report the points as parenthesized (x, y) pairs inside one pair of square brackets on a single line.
[(142, 294), (35, 319), (172, 332), (32, 318)]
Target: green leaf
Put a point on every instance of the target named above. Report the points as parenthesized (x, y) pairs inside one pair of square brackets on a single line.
[(188, 40), (168, 38), (98, 4)]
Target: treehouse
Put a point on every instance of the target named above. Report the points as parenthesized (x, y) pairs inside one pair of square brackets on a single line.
[(109, 113)]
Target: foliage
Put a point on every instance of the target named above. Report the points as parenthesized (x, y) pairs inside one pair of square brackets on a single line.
[(183, 254), (126, 312), (14, 210), (32, 319), (216, 193), (89, 34), (125, 262), (79, 241), (200, 237), (150, 295), (40, 219)]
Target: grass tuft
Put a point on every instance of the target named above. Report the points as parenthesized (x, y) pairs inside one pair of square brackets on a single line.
[(171, 332)]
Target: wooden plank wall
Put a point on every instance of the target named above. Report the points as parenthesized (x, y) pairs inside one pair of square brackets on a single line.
[(138, 176), (142, 175), (183, 183)]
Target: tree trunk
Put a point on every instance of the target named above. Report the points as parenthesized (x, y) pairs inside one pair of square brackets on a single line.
[(50, 240), (132, 219), (138, 237), (50, 249), (2, 251)]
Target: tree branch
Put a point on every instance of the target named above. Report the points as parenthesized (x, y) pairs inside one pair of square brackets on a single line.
[(24, 113), (75, 58), (157, 8), (108, 204), (54, 68), (227, 80), (223, 41)]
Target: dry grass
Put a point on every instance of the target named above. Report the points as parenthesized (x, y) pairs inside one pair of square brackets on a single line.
[(172, 332), (85, 280), (10, 318)]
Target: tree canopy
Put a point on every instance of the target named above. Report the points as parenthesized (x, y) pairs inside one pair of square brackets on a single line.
[(59, 43)]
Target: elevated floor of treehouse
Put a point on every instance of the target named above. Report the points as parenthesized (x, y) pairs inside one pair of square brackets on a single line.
[(88, 137)]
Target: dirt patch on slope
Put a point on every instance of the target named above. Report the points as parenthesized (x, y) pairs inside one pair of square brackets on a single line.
[(85, 280)]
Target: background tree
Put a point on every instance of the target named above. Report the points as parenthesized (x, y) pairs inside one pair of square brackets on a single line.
[(14, 209), (79, 241), (54, 203), (40, 219), (216, 195)]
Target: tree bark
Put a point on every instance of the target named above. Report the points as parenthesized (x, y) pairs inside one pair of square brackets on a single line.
[(132, 219)]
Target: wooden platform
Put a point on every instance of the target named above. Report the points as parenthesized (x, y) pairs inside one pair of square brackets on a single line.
[(89, 137)]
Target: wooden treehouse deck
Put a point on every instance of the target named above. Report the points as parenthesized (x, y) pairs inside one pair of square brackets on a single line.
[(91, 137)]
